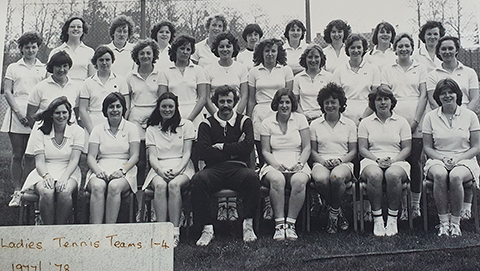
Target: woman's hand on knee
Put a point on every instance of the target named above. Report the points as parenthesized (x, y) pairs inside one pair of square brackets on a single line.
[(49, 182), (102, 175), (61, 184)]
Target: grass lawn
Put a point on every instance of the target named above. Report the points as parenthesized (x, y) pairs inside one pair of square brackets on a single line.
[(317, 250)]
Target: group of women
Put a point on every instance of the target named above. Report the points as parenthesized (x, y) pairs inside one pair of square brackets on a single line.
[(306, 104)]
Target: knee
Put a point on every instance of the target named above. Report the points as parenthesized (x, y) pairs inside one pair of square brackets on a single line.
[(174, 187), (159, 186), (456, 180), (373, 176), (337, 180), (46, 194), (299, 182), (393, 176), (114, 189), (276, 180), (98, 187), (65, 195)]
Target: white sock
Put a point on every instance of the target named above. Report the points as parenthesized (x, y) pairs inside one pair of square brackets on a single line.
[(416, 199), (392, 215), (455, 220), (208, 228), (176, 230), (377, 215), (444, 219), (467, 206), (291, 220), (248, 222), (279, 221)]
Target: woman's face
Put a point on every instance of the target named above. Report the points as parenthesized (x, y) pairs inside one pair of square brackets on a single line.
[(60, 72), (448, 97), (75, 29), (285, 105), (29, 50), (313, 60), (356, 50), (295, 33), (60, 115), (167, 109), (270, 54), (448, 51), (432, 36), (336, 34), (164, 35), (184, 52), (404, 48), (146, 56), (225, 49), (216, 27), (114, 111), (104, 62), (331, 105), (120, 36), (384, 36), (383, 104), (252, 39)]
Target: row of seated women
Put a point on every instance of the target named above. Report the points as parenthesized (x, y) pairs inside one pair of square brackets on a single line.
[(384, 142), (192, 84)]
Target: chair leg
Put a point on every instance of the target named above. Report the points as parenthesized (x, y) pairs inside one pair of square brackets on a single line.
[(475, 207), (307, 209), (149, 210), (22, 211), (424, 206), (409, 207), (258, 216), (132, 204), (142, 208), (362, 221), (354, 195)]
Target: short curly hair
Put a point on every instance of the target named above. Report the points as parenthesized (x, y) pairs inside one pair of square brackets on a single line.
[(121, 21), (250, 28), (455, 40), (181, 40), (225, 36), (381, 92), (29, 37), (402, 36), (218, 17), (444, 84), (156, 28), (100, 51), (58, 59), (336, 92), (258, 53), (278, 96), (66, 25), (340, 25), (311, 47), (224, 91), (141, 44), (353, 38), (290, 26), (430, 25), (383, 25)]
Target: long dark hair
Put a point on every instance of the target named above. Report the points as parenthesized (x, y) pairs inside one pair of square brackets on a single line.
[(156, 118), (47, 116)]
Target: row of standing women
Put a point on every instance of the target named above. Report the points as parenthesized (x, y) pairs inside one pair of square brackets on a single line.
[(356, 72)]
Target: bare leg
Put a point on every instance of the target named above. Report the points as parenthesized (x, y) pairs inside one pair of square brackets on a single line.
[(64, 202), (97, 188), (373, 175), (297, 195), (276, 180), (46, 202), (175, 198), (160, 198), (439, 175), (114, 197)]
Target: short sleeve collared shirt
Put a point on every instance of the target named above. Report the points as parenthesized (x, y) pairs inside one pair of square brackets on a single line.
[(333, 142), (95, 91), (268, 82), (48, 90), (357, 85), (384, 139), (308, 88), (81, 57), (123, 59), (451, 140), (203, 54), (170, 145)]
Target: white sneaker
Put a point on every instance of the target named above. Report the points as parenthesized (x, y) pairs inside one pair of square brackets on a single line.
[(443, 229), (404, 215), (279, 234), (455, 230), (206, 238), (378, 227), (176, 240), (465, 214), (248, 233), (16, 197), (416, 212), (391, 229), (290, 232)]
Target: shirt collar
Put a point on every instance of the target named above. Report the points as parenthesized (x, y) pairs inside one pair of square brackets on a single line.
[(97, 79), (459, 67), (340, 120), (37, 63), (172, 66), (300, 46), (359, 66), (68, 133), (128, 46), (121, 126), (51, 81), (457, 111), (376, 51), (394, 116), (262, 67), (64, 45), (223, 123)]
